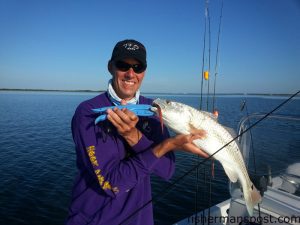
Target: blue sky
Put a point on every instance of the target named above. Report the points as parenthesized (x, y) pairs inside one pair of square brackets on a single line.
[(66, 44)]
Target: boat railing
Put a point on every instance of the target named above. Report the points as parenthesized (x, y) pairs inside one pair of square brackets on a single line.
[(245, 139), (271, 141)]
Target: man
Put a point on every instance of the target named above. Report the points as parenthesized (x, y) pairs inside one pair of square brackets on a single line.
[(116, 157)]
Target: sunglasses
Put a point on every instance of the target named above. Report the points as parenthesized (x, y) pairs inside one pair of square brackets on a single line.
[(123, 66)]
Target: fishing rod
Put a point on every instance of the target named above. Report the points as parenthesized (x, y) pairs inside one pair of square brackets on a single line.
[(201, 96), (206, 75), (217, 58), (172, 185), (209, 47), (203, 57)]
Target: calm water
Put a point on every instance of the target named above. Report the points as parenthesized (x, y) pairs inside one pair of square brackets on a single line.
[(38, 158)]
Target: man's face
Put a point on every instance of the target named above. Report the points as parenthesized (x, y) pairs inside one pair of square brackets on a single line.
[(126, 83)]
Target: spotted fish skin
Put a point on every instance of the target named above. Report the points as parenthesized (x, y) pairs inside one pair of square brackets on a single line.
[(184, 119)]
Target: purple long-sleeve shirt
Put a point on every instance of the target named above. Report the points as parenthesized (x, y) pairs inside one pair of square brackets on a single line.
[(114, 178)]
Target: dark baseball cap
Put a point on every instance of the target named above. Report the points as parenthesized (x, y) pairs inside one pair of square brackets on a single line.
[(129, 48)]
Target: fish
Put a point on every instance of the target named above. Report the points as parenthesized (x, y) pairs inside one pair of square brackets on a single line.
[(184, 119)]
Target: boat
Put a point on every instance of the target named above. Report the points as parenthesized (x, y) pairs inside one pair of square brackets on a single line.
[(280, 190)]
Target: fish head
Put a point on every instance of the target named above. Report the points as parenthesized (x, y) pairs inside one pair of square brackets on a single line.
[(174, 115)]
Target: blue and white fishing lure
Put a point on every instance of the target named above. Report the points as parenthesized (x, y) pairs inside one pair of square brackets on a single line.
[(139, 110)]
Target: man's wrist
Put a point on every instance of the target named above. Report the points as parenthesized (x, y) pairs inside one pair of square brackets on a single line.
[(162, 148), (133, 138)]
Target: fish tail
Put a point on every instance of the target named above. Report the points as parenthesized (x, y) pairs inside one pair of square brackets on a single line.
[(252, 197)]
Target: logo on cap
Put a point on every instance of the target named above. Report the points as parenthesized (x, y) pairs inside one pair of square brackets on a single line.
[(130, 46)]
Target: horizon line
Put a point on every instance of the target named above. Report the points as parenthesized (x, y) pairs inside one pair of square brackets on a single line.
[(100, 91)]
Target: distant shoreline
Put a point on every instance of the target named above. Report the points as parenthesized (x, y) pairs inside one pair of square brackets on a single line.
[(156, 93), (48, 90)]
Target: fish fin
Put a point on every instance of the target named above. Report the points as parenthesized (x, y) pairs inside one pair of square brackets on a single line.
[(194, 130), (252, 197), (233, 177), (233, 134), (211, 115), (230, 131)]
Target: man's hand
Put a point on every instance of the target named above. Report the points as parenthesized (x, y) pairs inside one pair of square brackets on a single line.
[(125, 121), (185, 143), (181, 142)]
